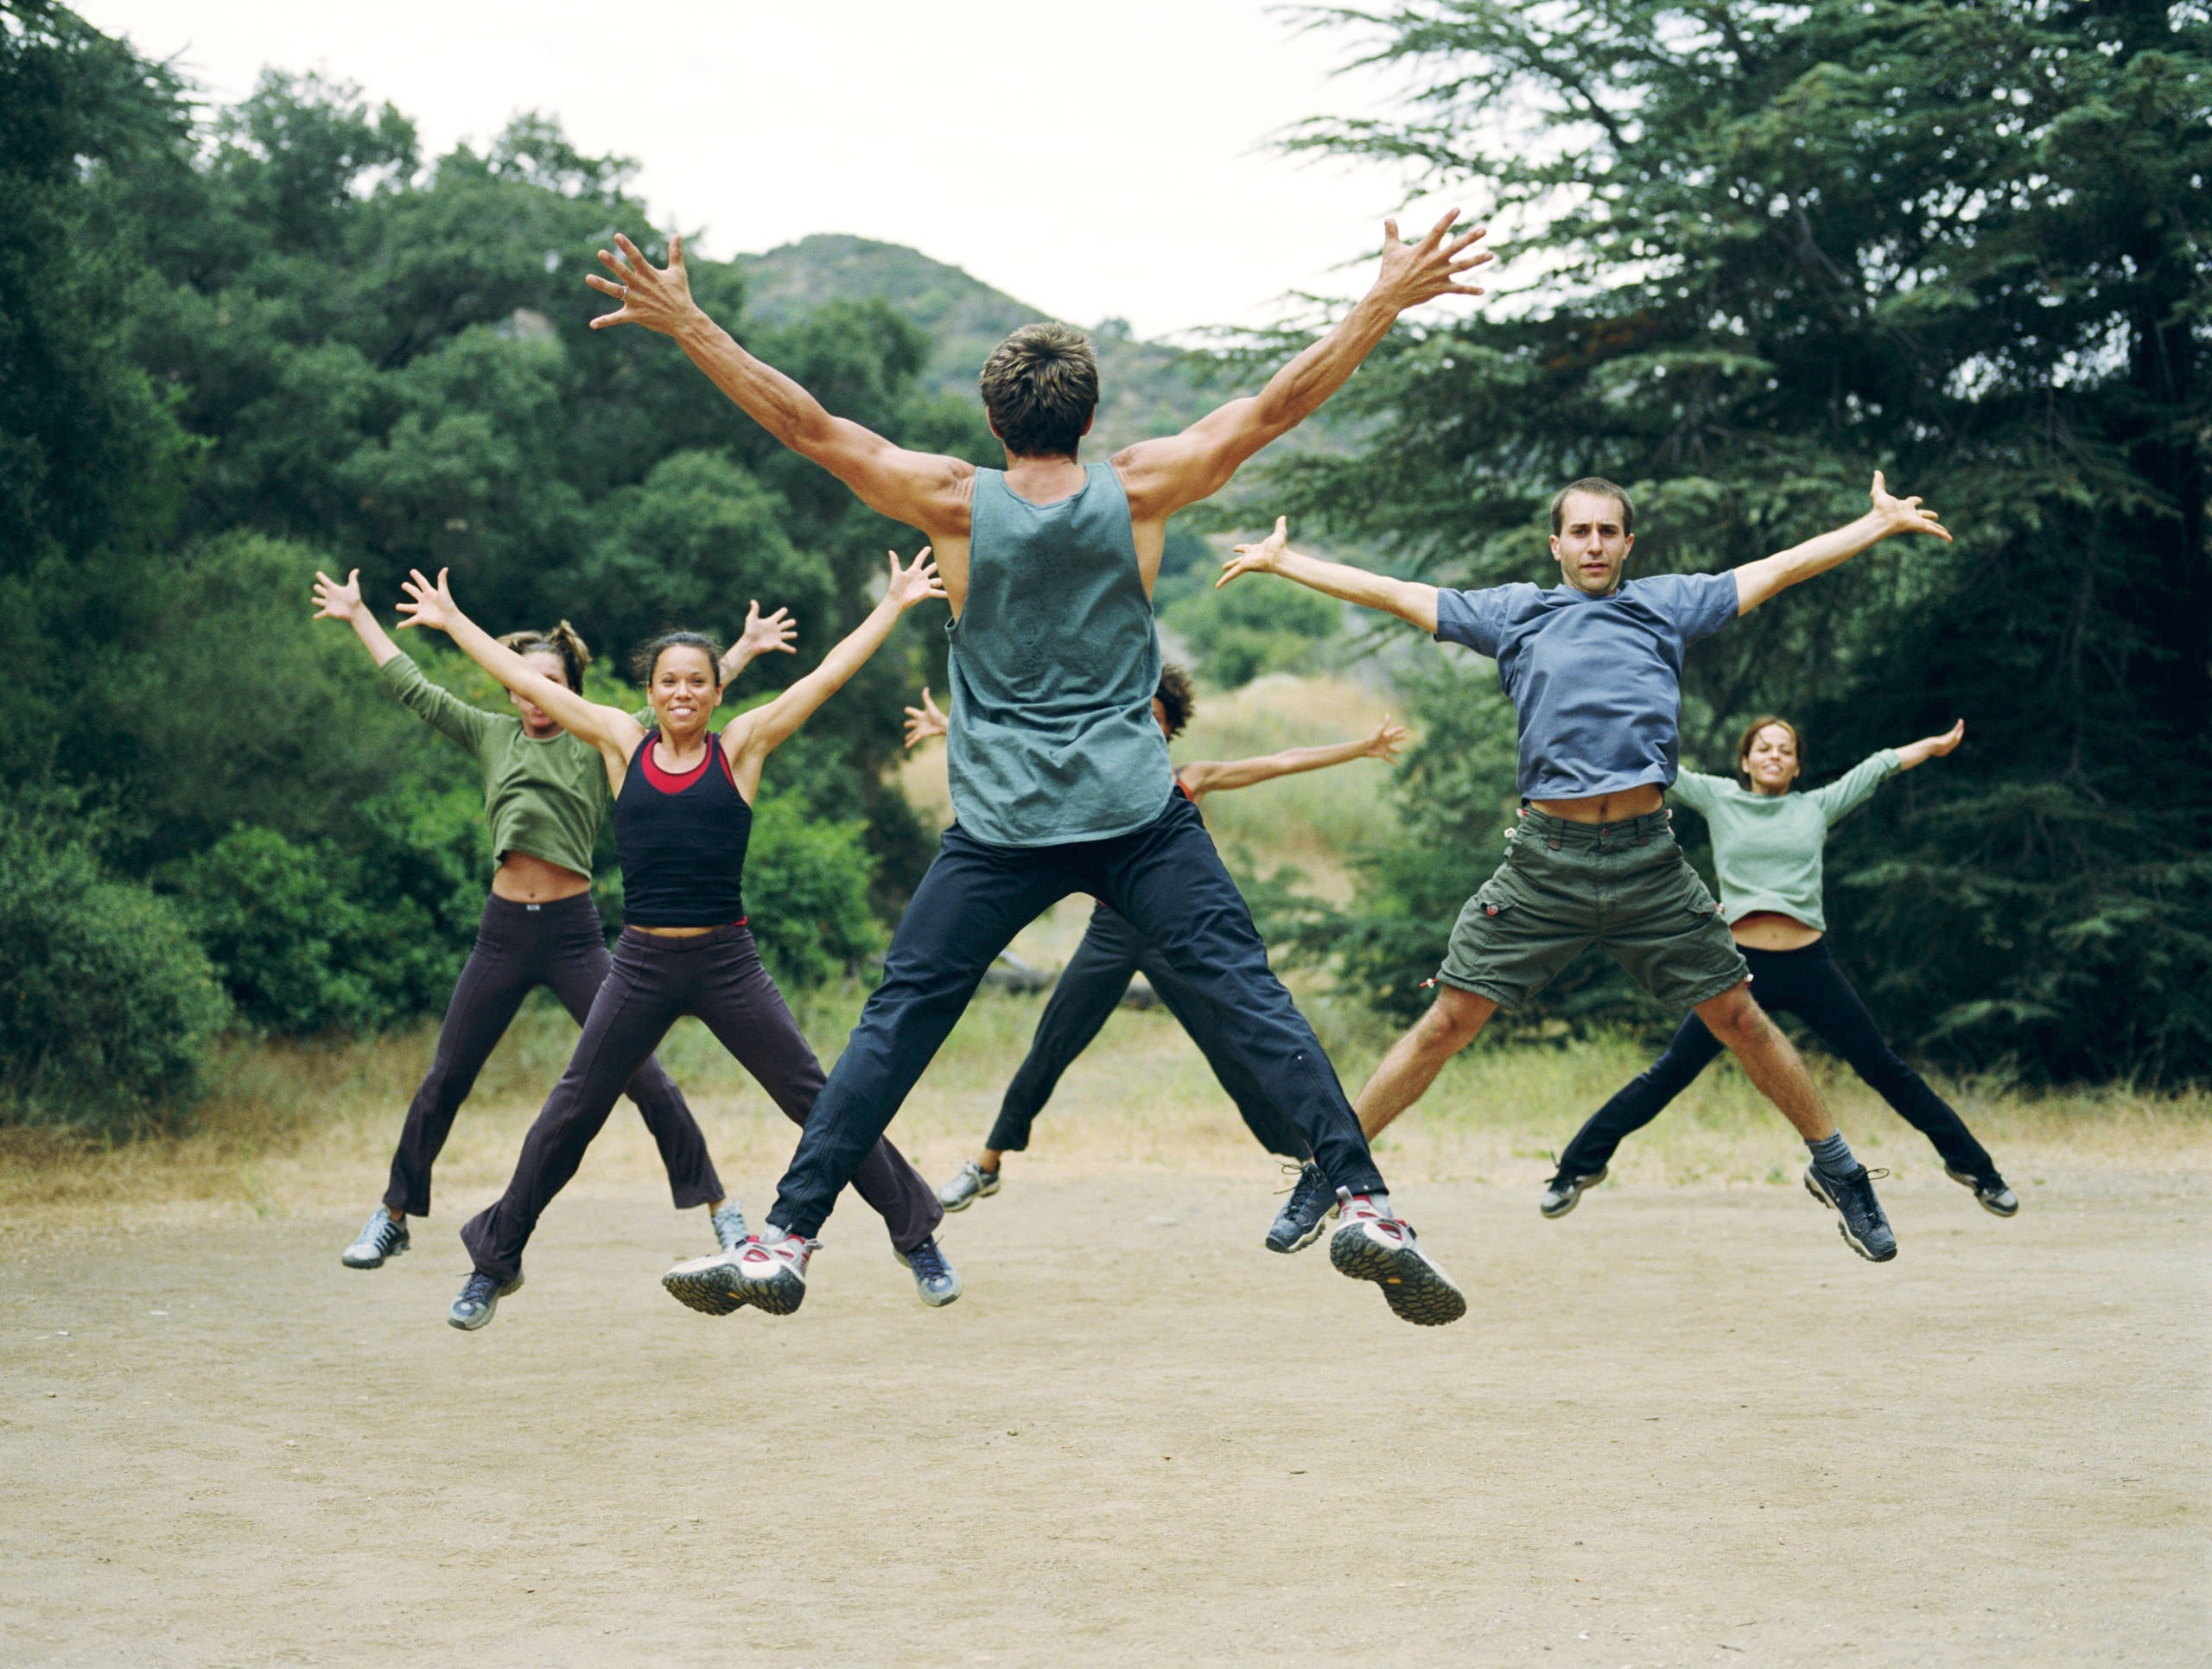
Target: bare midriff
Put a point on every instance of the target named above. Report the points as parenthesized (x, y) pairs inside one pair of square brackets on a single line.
[(525, 879), (1630, 802), (1770, 930), (671, 932)]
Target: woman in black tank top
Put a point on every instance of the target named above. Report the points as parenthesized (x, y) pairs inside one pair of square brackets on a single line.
[(682, 816)]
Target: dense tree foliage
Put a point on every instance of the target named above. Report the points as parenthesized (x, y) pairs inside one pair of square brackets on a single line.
[(1780, 246)]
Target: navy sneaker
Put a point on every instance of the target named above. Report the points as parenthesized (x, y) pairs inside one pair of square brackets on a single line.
[(1305, 1213), (1990, 1192), (1859, 1216), (1373, 1248), (479, 1301), (969, 1184), (935, 1282), (1563, 1192), (380, 1238)]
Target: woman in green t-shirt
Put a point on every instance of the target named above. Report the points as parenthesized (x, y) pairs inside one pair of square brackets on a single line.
[(545, 794), (1767, 842)]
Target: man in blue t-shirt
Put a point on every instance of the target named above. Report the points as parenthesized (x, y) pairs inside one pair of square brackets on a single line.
[(1593, 668)]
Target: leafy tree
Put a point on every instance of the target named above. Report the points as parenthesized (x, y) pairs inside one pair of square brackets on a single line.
[(1968, 243)]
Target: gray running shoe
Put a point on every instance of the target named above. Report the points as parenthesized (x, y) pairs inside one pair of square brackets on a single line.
[(935, 1282), (1373, 1248), (479, 1301), (1859, 1216), (707, 1285), (969, 1184), (380, 1238), (1563, 1192), (1991, 1192), (730, 1226), (1305, 1213)]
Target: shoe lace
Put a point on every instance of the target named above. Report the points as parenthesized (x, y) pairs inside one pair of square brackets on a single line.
[(927, 1262), (1292, 1174), (477, 1289)]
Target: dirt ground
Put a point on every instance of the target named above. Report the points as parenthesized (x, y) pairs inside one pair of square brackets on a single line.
[(1683, 1426)]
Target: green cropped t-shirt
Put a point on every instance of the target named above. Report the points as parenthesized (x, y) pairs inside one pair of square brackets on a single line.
[(1767, 848)]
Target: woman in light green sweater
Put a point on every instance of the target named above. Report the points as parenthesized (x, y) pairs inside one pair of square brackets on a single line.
[(1767, 842)]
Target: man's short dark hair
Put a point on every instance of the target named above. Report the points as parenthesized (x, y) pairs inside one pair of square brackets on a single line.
[(1040, 386), (1594, 486), (1176, 697)]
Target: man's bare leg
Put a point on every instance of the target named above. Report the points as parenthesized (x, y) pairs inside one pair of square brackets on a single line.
[(1770, 1060), (1454, 1021)]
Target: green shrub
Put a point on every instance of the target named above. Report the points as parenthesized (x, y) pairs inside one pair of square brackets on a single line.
[(1254, 627), (107, 1006), (806, 893)]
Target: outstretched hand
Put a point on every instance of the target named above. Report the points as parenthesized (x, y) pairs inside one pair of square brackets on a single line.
[(1905, 515), (427, 604), (1386, 741), (1266, 557), (913, 585), (1414, 273), (335, 602), (766, 632), (1939, 745), (660, 298), (925, 721)]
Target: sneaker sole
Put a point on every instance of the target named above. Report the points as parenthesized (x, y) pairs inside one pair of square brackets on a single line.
[(707, 1290), (1843, 1228), (1415, 1289), (963, 1203), (351, 1262), (778, 1297)]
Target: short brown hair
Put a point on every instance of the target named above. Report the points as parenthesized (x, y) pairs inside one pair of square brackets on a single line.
[(1750, 735), (562, 640), (1597, 487), (1176, 698), (1040, 387)]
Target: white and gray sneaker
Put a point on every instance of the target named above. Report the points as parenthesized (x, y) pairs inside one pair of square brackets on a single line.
[(1993, 1193), (1563, 1192), (1371, 1246), (479, 1300), (969, 1184), (380, 1238), (730, 1226), (937, 1283)]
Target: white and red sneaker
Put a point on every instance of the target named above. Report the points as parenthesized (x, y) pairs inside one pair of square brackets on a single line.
[(769, 1271), (708, 1284), (1374, 1247)]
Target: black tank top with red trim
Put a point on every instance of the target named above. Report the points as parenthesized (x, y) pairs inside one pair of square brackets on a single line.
[(681, 841)]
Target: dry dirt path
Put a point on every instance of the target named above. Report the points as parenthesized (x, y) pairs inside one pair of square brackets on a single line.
[(1682, 1427)]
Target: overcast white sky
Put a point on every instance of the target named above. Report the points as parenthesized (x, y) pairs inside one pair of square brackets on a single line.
[(1094, 160)]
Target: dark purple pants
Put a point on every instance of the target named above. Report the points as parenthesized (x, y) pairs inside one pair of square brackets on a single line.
[(654, 982), (562, 947)]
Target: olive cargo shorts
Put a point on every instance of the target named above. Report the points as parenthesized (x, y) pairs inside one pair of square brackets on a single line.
[(1563, 888)]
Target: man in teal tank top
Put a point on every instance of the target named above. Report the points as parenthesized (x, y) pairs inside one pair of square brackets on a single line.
[(1060, 779)]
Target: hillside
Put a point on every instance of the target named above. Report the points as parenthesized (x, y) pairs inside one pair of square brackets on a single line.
[(1144, 389)]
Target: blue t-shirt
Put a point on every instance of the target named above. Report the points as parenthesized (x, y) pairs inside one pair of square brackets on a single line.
[(1596, 681)]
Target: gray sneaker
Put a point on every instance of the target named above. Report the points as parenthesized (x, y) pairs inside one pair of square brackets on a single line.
[(730, 1226), (1859, 1216), (380, 1238), (1561, 1193), (1305, 1213), (1992, 1193), (479, 1301), (936, 1281), (969, 1184)]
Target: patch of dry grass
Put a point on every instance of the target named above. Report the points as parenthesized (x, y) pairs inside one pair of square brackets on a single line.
[(309, 1128)]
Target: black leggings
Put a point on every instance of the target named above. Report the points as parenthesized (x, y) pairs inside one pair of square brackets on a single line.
[(1808, 984), (654, 981), (562, 947), (1089, 990)]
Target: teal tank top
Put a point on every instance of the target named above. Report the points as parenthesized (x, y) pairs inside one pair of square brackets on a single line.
[(1054, 665)]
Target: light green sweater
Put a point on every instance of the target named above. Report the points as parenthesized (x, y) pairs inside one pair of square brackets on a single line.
[(1767, 846), (546, 798)]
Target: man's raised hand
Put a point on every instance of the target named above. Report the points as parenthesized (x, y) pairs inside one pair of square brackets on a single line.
[(926, 721), (425, 604), (1266, 557), (1414, 273), (914, 585), (660, 298), (336, 602), (1905, 515)]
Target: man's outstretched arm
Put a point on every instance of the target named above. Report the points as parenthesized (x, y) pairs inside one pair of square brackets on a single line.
[(1409, 599), (1162, 476), (1757, 582), (923, 490)]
